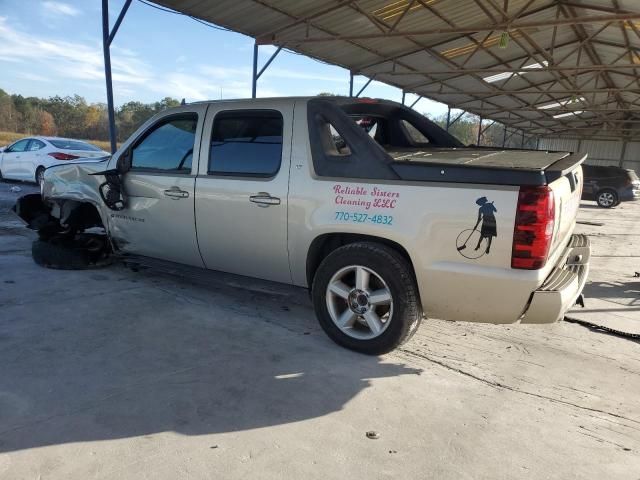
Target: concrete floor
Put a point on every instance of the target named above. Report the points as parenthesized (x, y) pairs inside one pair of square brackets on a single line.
[(114, 374)]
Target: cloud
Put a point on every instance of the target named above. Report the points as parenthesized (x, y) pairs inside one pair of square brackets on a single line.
[(81, 65), (59, 8), (70, 60), (33, 77), (210, 83)]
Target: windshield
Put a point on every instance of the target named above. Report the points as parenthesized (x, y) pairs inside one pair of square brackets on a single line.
[(65, 144)]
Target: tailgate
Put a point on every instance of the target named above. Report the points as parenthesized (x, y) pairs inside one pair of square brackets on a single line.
[(566, 180)]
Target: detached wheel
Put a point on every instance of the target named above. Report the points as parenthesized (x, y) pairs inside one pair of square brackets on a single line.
[(607, 199), (79, 253), (366, 298)]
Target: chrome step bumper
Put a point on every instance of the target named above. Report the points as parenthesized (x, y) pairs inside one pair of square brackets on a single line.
[(564, 284)]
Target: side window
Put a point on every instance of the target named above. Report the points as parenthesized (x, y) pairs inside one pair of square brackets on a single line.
[(246, 142), (168, 146), (19, 146), (338, 143), (35, 145), (414, 134), (333, 143)]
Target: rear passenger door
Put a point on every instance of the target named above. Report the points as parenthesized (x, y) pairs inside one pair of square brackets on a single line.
[(241, 191), (590, 181)]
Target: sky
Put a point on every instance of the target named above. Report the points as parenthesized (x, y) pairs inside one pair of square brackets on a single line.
[(52, 47)]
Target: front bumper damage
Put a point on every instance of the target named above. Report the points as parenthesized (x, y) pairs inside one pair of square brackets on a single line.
[(563, 286)]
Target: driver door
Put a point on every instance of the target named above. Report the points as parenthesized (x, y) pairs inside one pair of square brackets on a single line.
[(12, 160), (158, 220)]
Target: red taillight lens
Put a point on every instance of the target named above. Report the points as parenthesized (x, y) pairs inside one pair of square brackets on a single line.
[(63, 156), (533, 230)]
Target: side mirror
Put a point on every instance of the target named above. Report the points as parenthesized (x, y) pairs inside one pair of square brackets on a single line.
[(124, 162)]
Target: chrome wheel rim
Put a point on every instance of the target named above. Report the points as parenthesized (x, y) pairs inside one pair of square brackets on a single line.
[(359, 302), (606, 199)]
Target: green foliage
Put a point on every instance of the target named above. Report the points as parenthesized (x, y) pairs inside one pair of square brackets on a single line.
[(72, 116), (466, 130)]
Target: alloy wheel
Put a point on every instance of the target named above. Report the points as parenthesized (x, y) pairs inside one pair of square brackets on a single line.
[(606, 199), (359, 301)]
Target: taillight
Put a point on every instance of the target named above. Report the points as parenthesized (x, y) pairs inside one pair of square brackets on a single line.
[(63, 156), (533, 230)]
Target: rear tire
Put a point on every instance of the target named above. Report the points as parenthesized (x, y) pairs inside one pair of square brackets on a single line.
[(607, 198), (356, 317), (81, 252)]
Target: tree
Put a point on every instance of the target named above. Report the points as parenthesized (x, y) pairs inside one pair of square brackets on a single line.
[(47, 125)]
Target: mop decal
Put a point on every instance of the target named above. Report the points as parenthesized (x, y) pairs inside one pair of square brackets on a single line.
[(473, 243)]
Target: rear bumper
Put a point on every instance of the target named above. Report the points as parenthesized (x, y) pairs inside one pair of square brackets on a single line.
[(630, 193), (564, 284)]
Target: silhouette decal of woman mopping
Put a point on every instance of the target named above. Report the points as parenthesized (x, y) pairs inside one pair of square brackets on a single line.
[(488, 230)]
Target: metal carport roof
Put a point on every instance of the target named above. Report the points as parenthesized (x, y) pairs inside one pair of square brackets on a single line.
[(546, 67)]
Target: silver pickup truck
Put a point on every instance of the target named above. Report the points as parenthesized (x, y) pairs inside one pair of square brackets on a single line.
[(380, 213)]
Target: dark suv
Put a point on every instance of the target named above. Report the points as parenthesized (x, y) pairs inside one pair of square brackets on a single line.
[(610, 185)]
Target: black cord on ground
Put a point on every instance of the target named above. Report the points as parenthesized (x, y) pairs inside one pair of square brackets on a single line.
[(602, 329)]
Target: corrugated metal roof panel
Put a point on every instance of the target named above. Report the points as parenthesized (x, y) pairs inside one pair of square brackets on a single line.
[(445, 49)]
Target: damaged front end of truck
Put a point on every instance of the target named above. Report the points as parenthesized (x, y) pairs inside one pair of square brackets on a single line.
[(70, 214)]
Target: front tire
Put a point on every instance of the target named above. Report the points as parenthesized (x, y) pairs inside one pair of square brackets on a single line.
[(79, 252), (607, 199), (366, 298), (39, 175)]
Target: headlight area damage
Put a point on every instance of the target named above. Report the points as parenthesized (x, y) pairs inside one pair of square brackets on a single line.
[(71, 232)]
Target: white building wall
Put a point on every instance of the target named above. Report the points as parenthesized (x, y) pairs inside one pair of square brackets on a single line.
[(601, 152)]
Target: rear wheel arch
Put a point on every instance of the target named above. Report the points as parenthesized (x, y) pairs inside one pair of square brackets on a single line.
[(324, 244)]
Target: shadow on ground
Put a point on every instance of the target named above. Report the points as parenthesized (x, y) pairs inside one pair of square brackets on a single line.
[(176, 357), (625, 291)]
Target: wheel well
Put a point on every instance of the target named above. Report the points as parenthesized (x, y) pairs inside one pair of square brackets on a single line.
[(323, 245), (80, 215)]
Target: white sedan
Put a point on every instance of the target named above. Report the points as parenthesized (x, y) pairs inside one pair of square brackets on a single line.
[(28, 158)]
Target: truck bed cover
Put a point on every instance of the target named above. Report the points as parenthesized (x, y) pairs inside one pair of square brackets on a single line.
[(479, 165)]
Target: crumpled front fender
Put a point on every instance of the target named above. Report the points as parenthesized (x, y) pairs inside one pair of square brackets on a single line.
[(76, 182)]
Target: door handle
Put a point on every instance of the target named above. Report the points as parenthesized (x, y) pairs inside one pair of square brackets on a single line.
[(175, 193), (263, 199)]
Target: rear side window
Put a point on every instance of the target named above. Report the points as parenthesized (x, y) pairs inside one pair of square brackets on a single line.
[(168, 146), (65, 144), (246, 142), (414, 134), (36, 145)]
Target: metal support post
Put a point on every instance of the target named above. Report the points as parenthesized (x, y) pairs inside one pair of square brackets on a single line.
[(365, 86), (254, 74), (107, 37)]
